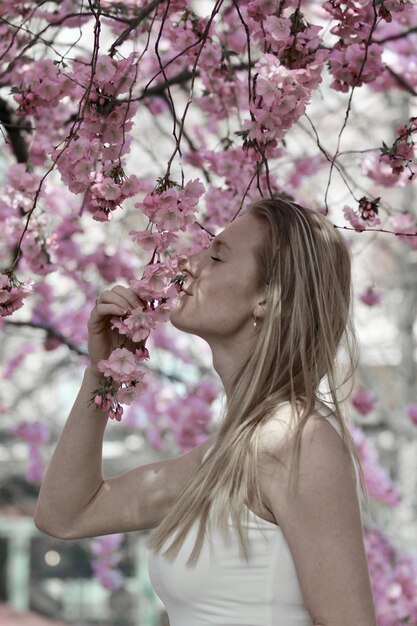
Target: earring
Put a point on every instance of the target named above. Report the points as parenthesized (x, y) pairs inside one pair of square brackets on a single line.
[(254, 323)]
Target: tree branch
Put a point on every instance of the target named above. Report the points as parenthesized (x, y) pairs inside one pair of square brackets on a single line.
[(401, 81), (397, 36), (133, 25), (52, 332), (14, 128)]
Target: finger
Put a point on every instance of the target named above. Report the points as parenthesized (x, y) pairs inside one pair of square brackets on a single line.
[(106, 309), (112, 297), (128, 295)]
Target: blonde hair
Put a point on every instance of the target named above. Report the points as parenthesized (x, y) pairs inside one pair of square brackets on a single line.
[(305, 265)]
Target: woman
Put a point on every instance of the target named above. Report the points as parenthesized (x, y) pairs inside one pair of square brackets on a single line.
[(261, 524)]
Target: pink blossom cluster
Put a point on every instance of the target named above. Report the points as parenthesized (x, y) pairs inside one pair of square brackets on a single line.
[(355, 65), (90, 161), (371, 296), (394, 580), (171, 209), (363, 401), (19, 190), (399, 50), (121, 367), (280, 97), (359, 220), (411, 412), (189, 416), (17, 200), (12, 293), (400, 155), (15, 360), (185, 33), (296, 42), (106, 556), (303, 168), (379, 484), (353, 60), (35, 434), (222, 88), (43, 85), (381, 172), (405, 226)]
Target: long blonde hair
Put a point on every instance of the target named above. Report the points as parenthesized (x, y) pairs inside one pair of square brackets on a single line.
[(305, 265)]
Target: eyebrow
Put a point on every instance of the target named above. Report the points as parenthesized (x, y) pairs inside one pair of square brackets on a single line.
[(220, 242)]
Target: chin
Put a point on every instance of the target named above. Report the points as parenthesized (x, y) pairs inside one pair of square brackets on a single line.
[(176, 321), (182, 325)]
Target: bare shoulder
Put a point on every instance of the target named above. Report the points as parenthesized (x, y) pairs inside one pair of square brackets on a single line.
[(324, 462), (277, 436)]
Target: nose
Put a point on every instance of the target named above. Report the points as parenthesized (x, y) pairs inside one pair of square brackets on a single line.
[(190, 264)]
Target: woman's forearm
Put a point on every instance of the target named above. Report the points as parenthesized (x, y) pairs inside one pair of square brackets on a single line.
[(74, 473)]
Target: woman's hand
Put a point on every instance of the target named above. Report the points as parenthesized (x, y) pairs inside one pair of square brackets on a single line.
[(102, 339)]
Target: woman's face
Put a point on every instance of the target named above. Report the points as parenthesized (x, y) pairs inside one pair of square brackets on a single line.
[(222, 281)]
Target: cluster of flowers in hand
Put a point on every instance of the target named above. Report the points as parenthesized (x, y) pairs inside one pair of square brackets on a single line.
[(169, 208)]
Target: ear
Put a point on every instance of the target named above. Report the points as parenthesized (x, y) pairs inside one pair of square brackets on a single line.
[(260, 308)]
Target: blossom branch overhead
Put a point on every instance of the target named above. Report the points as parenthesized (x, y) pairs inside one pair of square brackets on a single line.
[(253, 66), (94, 105)]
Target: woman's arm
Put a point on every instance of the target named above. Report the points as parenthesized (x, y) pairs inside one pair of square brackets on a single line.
[(74, 500), (322, 526), (74, 474)]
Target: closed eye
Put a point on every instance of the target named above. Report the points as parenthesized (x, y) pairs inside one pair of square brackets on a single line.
[(215, 259)]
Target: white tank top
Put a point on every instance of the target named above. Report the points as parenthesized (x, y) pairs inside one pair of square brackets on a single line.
[(223, 589)]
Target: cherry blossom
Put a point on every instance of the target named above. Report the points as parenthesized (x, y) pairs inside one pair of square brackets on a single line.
[(363, 401), (12, 293), (35, 434), (411, 411), (120, 366), (106, 555), (378, 482), (371, 296)]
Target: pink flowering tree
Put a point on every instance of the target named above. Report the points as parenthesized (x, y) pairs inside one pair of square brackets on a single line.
[(133, 132)]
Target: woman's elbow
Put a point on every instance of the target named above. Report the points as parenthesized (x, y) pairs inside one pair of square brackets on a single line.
[(56, 533)]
